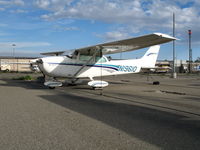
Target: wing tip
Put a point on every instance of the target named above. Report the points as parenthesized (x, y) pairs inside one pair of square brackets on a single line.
[(166, 36)]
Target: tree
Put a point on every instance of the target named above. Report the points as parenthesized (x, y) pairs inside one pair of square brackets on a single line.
[(197, 60)]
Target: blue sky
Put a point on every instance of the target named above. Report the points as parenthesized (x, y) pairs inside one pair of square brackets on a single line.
[(36, 26)]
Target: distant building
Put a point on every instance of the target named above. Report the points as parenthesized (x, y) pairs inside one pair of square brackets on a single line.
[(181, 66), (163, 66), (18, 64), (196, 66)]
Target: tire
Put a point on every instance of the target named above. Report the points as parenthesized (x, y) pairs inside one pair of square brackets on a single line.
[(52, 88), (156, 82)]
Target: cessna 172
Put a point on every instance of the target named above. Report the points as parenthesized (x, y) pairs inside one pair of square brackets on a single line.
[(90, 62)]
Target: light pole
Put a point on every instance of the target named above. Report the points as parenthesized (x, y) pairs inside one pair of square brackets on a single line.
[(190, 52), (174, 51), (13, 45), (13, 50)]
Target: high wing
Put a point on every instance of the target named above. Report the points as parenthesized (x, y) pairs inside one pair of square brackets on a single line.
[(53, 53), (123, 45), (128, 44)]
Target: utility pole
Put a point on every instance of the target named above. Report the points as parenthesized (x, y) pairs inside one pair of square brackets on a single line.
[(174, 53), (190, 52), (13, 56), (13, 50)]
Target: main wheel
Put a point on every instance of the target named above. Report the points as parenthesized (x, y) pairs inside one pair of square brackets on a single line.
[(50, 87)]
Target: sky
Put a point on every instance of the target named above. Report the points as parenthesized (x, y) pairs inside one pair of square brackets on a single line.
[(29, 27)]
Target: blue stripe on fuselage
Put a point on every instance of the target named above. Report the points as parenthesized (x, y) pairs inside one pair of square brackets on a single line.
[(114, 67)]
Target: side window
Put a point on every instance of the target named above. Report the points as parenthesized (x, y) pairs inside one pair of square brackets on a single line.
[(84, 57), (101, 59)]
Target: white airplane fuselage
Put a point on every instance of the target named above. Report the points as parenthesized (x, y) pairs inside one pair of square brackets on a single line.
[(84, 66), (89, 62), (62, 66)]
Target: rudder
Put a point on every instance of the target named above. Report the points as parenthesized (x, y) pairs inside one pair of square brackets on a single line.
[(150, 57)]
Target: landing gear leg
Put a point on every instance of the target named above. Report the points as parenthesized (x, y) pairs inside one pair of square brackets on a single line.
[(72, 82)]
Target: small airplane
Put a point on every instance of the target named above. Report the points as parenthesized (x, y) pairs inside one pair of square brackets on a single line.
[(90, 62)]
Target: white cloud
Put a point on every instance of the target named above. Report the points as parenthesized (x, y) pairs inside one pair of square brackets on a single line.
[(43, 3), (55, 5), (12, 2), (7, 4), (71, 28), (2, 9), (3, 34), (119, 11), (136, 15), (19, 11), (3, 25), (113, 36), (3, 2), (18, 2), (4, 45), (64, 28)]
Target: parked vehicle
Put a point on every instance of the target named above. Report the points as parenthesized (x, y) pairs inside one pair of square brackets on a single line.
[(5, 67)]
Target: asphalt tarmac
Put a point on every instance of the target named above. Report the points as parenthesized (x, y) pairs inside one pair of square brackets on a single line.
[(131, 113)]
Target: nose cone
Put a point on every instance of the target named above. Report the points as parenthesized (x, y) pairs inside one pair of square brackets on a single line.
[(40, 64), (50, 65)]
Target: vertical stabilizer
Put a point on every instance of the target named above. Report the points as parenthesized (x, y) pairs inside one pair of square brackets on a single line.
[(150, 57)]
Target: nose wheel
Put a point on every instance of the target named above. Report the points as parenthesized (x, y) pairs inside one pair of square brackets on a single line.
[(52, 84)]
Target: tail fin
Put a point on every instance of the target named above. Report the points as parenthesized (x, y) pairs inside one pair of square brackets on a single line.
[(150, 57)]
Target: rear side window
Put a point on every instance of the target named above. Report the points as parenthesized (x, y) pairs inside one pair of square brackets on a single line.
[(101, 59)]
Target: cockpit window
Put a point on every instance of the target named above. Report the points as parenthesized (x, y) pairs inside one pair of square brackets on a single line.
[(95, 59), (84, 58)]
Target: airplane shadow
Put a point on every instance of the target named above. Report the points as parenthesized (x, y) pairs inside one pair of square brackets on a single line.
[(23, 84), (196, 84), (163, 129), (193, 98)]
